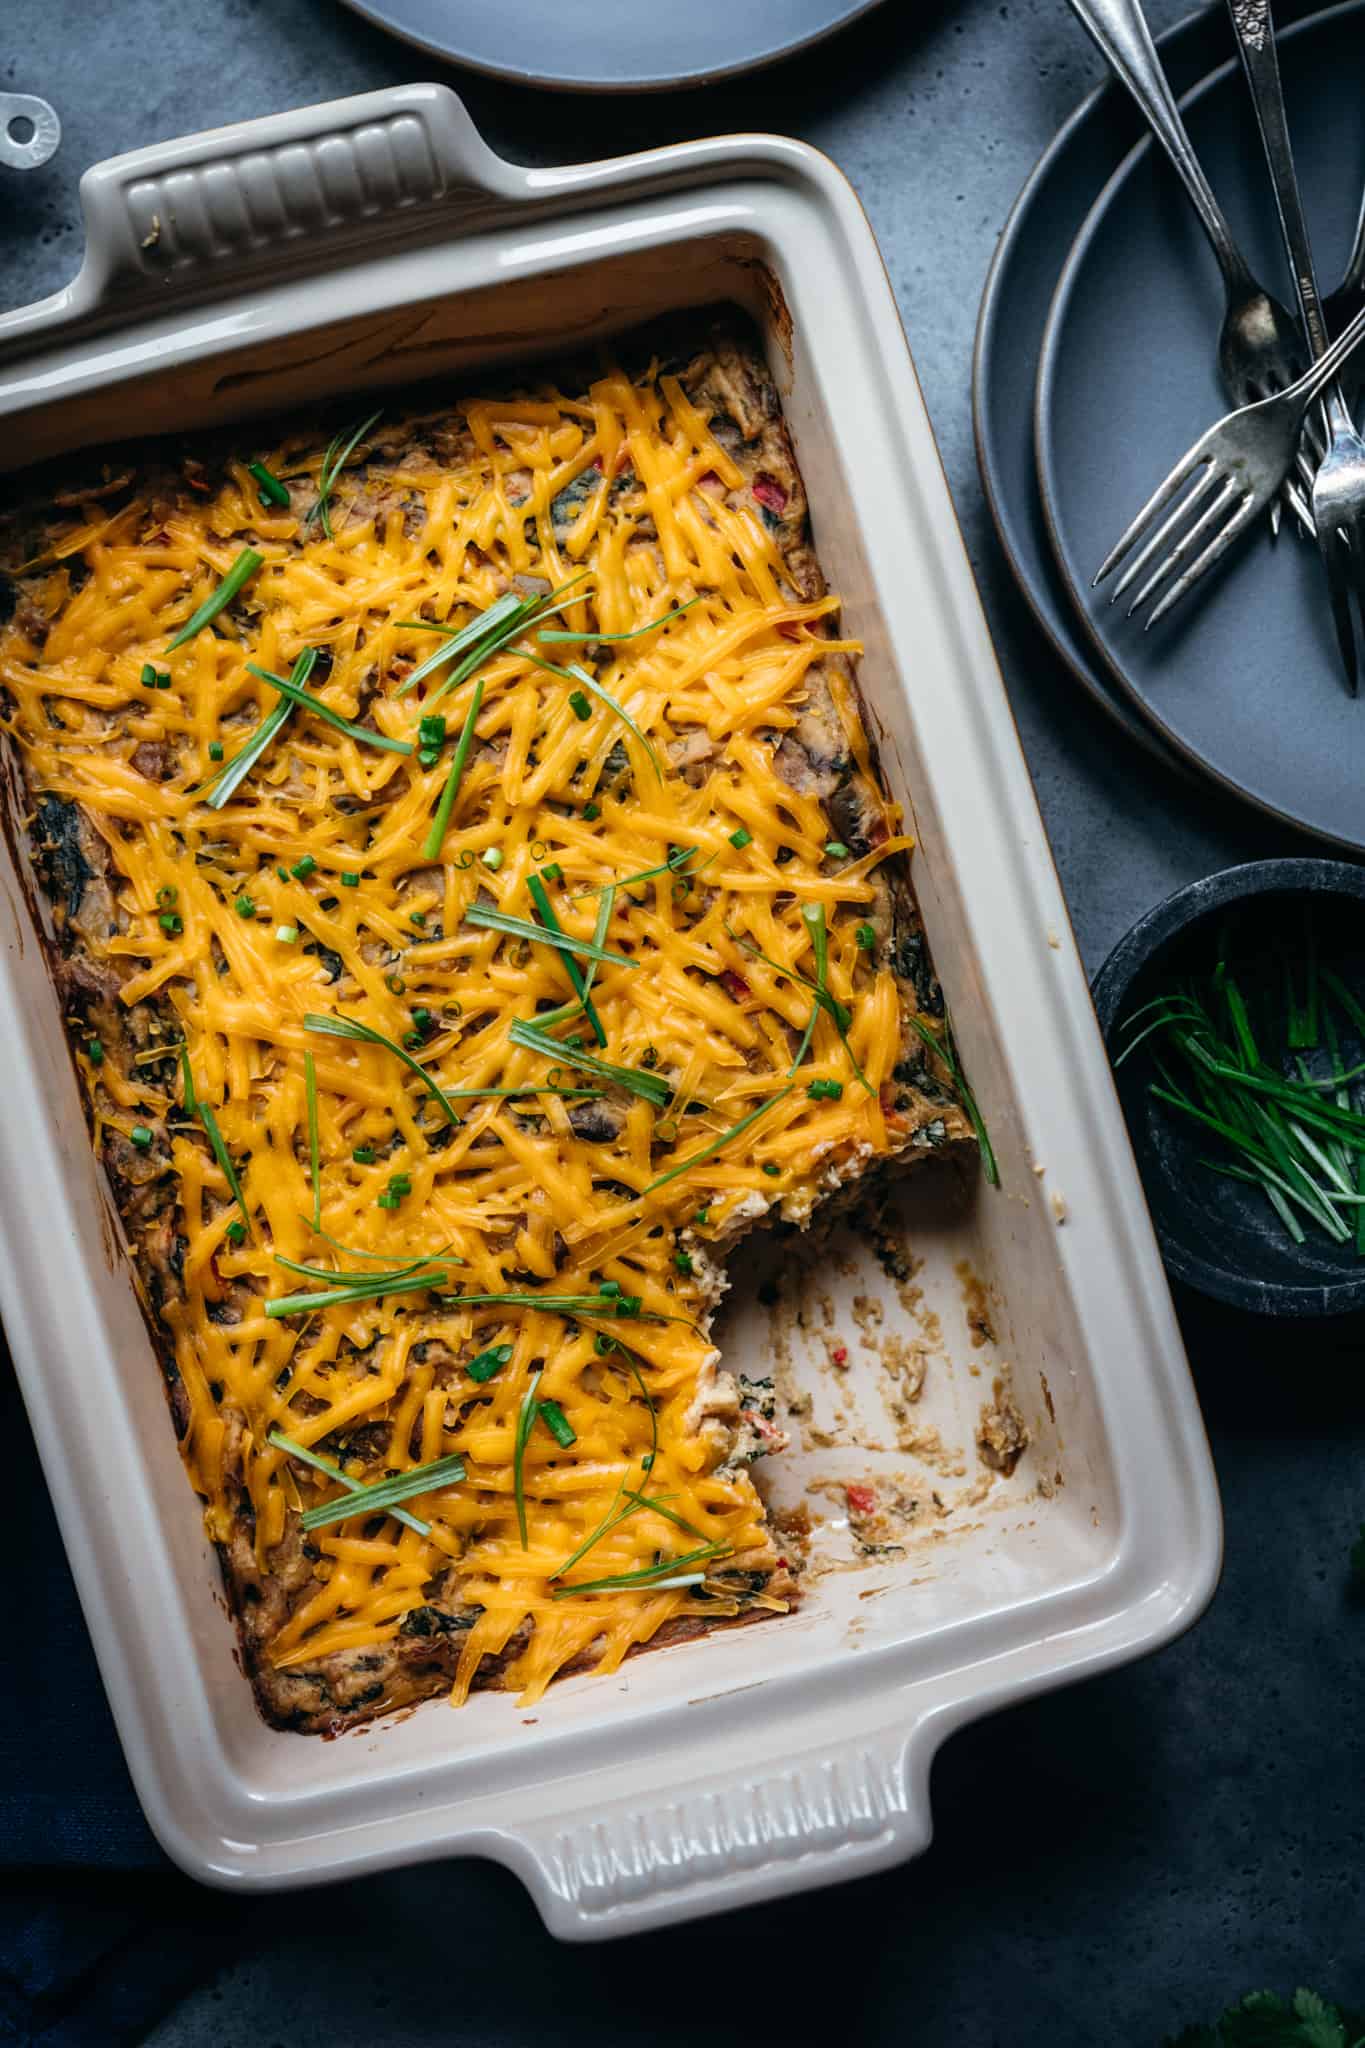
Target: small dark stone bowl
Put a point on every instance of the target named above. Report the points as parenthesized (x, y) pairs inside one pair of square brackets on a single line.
[(1217, 1234)]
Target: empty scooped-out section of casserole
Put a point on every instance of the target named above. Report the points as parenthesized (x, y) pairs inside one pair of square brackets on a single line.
[(474, 907)]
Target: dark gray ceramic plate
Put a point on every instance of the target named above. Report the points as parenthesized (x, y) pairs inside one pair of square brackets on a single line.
[(613, 45), (1243, 679)]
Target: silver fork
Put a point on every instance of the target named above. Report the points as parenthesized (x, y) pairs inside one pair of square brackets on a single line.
[(1260, 348), (1339, 486), (1245, 459)]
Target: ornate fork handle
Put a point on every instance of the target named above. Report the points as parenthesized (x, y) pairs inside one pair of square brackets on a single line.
[(1120, 30)]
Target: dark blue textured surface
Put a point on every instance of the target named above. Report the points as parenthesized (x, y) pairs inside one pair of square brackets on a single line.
[(1125, 1855)]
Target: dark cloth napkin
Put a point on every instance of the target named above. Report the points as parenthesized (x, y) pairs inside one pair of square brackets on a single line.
[(99, 1934)]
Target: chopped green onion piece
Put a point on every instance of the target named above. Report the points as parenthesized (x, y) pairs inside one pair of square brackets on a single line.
[(244, 906), (148, 677), (287, 934), (172, 922), (558, 1424), (140, 1136), (303, 868), (364, 1155), (612, 1287), (488, 919), (531, 1039), (825, 1091), (215, 750), (350, 880), (683, 1261), (702, 1216), (435, 839), (388, 1199), (319, 1464), (652, 627), (719, 1144), (400, 1184), (771, 1169), (417, 917), (580, 705), (272, 491), (360, 733), (525, 1423), (492, 858), (163, 679), (283, 872), (235, 1231), (837, 850), (553, 873), (167, 893), (350, 1027), (94, 1052), (333, 462), (431, 729), (239, 767), (592, 812), (476, 640), (489, 1362), (383, 1494), (866, 936), (741, 837), (241, 572)]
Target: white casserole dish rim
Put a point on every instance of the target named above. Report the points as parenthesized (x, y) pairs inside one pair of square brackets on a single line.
[(629, 1841)]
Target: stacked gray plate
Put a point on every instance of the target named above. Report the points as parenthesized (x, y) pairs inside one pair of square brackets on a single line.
[(1095, 369)]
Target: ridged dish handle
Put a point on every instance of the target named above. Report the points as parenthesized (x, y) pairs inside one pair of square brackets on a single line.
[(181, 219), (707, 1848)]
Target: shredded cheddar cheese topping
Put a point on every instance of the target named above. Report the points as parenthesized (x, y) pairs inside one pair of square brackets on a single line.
[(306, 893)]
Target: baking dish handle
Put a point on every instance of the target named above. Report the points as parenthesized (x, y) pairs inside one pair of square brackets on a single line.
[(852, 1809), (185, 219)]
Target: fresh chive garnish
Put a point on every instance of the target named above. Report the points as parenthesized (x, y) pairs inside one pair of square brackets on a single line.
[(287, 934), (435, 839), (94, 1052), (638, 631), (141, 1137), (839, 1014), (220, 1153), (333, 462), (235, 1231), (303, 867), (866, 935), (558, 1424), (674, 865), (490, 1362), (525, 1088), (492, 857), (383, 1494), (553, 872), (947, 1052), (673, 1572), (825, 1091), (215, 750), (533, 1039), (582, 989), (350, 880), (365, 1034), (580, 704), (361, 733), (363, 1287), (578, 674), (718, 1144), (615, 1513), (543, 935), (483, 627), (310, 1082), (244, 906), (241, 572), (244, 760), (741, 837), (526, 1417), (272, 491), (281, 1442), (836, 850), (626, 1306)]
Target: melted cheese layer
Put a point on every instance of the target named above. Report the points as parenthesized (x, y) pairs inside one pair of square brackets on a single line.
[(629, 484)]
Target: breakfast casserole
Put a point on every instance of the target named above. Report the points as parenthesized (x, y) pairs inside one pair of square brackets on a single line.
[(474, 906)]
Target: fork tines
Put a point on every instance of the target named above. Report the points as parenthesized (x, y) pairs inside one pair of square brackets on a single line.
[(1220, 518)]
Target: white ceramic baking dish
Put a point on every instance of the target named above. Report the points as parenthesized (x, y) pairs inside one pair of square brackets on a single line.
[(371, 243)]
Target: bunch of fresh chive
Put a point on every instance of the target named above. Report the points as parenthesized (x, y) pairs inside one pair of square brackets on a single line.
[(1255, 1060)]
